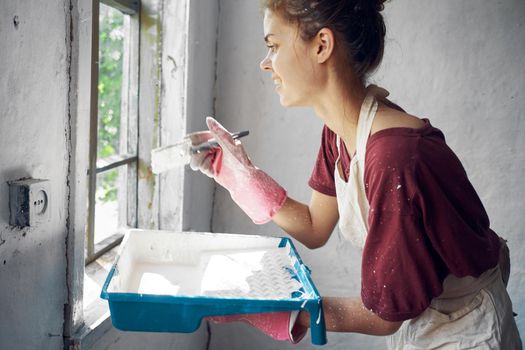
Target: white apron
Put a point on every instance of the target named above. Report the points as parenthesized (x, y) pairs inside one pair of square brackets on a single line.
[(471, 313), (351, 198)]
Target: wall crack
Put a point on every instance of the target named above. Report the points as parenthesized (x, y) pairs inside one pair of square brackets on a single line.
[(69, 38)]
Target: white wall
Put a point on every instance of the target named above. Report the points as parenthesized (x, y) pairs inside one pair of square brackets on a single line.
[(458, 63), (33, 143), (202, 62), (114, 339), (41, 121)]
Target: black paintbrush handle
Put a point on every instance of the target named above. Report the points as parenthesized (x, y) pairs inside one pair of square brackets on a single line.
[(205, 146)]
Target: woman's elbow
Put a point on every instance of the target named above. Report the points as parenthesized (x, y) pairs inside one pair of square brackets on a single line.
[(313, 245), (390, 328), (316, 243)]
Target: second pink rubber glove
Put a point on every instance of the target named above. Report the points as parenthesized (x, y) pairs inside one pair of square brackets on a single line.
[(278, 325), (254, 191)]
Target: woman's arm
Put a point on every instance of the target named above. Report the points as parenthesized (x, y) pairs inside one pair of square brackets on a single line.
[(350, 315), (310, 224)]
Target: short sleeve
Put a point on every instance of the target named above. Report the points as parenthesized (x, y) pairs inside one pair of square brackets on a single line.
[(425, 221), (322, 177)]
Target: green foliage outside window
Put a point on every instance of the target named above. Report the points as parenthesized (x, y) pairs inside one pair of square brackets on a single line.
[(111, 41)]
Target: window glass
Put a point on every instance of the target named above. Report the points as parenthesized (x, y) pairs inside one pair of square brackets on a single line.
[(111, 123), (106, 205), (111, 53)]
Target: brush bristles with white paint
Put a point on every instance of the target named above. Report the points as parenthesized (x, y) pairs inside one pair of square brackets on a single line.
[(179, 154), (168, 157)]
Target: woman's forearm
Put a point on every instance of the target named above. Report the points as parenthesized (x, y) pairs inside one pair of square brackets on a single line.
[(350, 315), (294, 218), (310, 224)]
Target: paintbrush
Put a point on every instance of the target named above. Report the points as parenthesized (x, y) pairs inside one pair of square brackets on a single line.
[(179, 154)]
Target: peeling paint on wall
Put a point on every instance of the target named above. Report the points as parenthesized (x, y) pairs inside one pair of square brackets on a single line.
[(149, 109), (33, 105)]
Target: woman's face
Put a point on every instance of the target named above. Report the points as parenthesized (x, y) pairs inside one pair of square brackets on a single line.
[(290, 60)]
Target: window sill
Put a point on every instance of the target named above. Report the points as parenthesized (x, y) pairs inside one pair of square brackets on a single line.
[(97, 321)]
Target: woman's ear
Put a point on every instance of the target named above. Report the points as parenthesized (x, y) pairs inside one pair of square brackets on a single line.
[(324, 44)]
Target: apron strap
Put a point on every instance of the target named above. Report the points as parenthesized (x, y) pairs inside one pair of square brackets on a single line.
[(351, 197), (366, 118), (364, 124)]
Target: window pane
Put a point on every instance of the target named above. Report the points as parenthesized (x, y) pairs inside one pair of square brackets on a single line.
[(111, 52), (107, 205), (112, 200)]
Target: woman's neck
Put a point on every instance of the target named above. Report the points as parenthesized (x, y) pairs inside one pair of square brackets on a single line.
[(338, 106)]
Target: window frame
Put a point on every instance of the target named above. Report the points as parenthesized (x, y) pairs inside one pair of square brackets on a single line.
[(129, 113), (162, 42)]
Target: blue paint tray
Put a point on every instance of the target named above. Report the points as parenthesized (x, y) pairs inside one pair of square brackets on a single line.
[(169, 281)]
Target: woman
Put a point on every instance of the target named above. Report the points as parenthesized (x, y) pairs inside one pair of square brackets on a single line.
[(431, 275)]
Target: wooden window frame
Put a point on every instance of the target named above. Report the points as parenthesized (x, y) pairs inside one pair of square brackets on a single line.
[(129, 124), (162, 42)]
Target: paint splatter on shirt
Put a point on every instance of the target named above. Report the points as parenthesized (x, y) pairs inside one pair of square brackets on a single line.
[(425, 220)]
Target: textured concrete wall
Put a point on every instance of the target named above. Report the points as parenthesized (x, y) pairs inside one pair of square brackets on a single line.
[(33, 143), (202, 60), (458, 63), (37, 138), (114, 339)]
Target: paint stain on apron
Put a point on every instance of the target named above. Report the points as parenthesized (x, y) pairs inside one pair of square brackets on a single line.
[(471, 313)]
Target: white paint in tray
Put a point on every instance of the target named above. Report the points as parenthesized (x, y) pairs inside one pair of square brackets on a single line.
[(196, 264)]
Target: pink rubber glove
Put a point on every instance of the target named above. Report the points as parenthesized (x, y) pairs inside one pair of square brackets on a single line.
[(252, 189), (278, 325)]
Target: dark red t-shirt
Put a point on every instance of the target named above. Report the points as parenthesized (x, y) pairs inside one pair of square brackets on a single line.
[(425, 220)]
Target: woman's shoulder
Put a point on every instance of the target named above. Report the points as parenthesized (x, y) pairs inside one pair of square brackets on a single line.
[(402, 139), (411, 149), (391, 116), (400, 126)]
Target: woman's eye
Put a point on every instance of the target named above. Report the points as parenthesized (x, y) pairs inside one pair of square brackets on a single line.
[(272, 48)]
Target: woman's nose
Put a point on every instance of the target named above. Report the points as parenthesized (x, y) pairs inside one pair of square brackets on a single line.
[(266, 64)]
